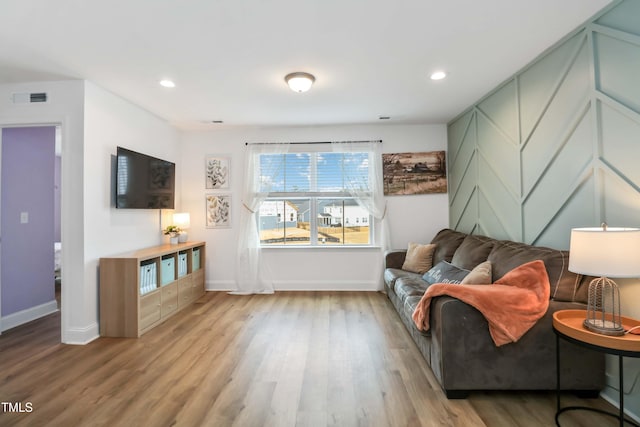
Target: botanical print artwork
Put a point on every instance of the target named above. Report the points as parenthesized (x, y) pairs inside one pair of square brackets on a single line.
[(414, 173), (218, 208), (217, 172)]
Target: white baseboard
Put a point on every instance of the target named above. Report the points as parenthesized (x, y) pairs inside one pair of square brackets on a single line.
[(612, 396), (81, 336), (220, 285), (303, 285), (27, 315), (326, 285)]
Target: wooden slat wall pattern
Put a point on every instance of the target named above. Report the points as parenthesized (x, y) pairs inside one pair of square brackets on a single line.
[(557, 146)]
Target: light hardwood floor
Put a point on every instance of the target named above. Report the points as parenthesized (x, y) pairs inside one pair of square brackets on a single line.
[(293, 358)]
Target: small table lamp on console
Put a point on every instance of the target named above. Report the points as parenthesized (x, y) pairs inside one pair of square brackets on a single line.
[(183, 221), (605, 252)]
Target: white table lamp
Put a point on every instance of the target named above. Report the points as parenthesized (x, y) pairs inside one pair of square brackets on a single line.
[(605, 252), (183, 221)]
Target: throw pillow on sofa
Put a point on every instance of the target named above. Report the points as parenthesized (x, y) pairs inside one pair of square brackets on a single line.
[(480, 275), (445, 272), (419, 258)]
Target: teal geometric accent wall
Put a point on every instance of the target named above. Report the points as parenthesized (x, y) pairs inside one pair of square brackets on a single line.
[(556, 146)]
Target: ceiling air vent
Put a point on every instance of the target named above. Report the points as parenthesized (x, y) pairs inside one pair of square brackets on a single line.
[(38, 97), (29, 98)]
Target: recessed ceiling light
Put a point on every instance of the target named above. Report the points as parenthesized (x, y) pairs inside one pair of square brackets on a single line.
[(167, 83), (438, 75)]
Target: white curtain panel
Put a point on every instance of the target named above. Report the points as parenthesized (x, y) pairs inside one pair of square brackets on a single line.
[(252, 276), (367, 189)]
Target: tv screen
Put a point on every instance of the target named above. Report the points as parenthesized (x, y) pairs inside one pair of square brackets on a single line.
[(144, 182)]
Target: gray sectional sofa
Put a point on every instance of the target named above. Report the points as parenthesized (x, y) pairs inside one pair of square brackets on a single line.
[(458, 346)]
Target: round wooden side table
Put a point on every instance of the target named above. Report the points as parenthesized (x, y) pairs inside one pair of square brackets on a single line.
[(567, 324)]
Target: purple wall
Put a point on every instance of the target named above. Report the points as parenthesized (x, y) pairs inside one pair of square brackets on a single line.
[(57, 198), (28, 160)]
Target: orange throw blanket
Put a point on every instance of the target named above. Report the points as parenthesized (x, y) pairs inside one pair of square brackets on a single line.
[(512, 305)]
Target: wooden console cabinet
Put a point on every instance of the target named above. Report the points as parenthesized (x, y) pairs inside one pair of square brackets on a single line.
[(141, 289)]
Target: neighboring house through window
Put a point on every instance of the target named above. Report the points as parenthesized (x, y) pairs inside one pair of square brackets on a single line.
[(309, 203)]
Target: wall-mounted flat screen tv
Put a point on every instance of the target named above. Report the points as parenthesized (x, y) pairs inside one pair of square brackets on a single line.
[(144, 182)]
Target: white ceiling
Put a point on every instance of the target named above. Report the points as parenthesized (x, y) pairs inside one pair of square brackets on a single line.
[(228, 58)]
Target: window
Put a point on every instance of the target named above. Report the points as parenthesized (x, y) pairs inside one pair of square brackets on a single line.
[(309, 190)]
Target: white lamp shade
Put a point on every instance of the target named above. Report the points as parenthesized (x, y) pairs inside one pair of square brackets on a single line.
[(614, 252), (182, 220)]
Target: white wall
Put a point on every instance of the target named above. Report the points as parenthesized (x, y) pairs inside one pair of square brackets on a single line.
[(411, 218), (110, 121)]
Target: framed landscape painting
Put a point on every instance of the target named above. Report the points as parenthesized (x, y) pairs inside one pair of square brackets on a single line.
[(218, 210), (217, 172), (414, 173)]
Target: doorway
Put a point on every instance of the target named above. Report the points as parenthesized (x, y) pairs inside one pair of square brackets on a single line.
[(29, 223)]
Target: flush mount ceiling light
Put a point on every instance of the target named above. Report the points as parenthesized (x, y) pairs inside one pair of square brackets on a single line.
[(438, 75), (299, 81), (167, 83)]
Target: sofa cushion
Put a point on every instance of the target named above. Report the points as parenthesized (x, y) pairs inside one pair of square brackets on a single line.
[(480, 275), (472, 251), (391, 275), (419, 258), (410, 287), (444, 272), (565, 285), (446, 241)]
